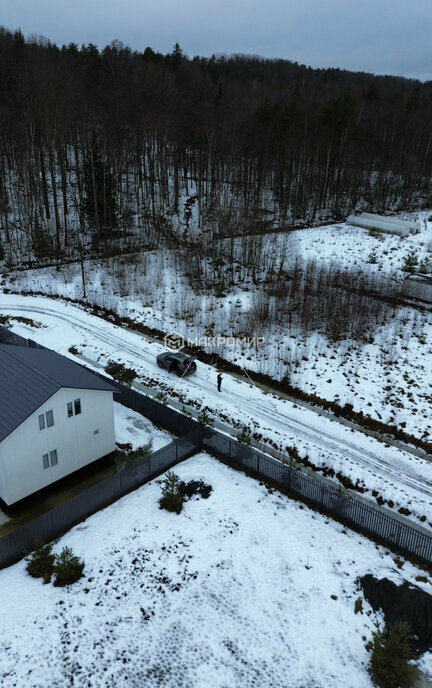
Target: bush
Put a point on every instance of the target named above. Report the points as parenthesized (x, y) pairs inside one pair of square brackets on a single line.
[(205, 418), (245, 436), (195, 487), (389, 665), (425, 267), (172, 498), (410, 262), (40, 563), (119, 372), (67, 568)]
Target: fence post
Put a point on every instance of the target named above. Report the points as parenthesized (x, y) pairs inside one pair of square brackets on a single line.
[(398, 532)]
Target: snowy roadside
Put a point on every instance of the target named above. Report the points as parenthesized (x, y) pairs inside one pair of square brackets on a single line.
[(396, 475), (384, 374)]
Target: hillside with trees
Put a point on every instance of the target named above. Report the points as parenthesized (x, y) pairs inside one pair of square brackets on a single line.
[(115, 148)]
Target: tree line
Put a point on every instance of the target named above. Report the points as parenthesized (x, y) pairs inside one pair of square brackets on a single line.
[(119, 148)]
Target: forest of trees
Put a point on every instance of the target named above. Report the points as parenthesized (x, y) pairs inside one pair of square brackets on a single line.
[(104, 147)]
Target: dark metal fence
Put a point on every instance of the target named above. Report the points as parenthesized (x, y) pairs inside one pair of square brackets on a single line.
[(154, 410), (349, 509), (56, 521)]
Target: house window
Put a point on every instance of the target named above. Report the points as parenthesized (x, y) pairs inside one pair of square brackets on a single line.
[(45, 459), (46, 420), (53, 457), (74, 409)]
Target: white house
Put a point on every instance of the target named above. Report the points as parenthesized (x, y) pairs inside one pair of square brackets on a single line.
[(55, 417)]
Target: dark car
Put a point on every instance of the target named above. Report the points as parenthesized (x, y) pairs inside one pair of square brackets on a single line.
[(182, 364)]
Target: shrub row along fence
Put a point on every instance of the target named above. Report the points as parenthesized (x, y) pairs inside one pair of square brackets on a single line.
[(345, 507), (53, 523)]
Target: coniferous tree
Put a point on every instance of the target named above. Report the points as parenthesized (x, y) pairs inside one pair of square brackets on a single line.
[(100, 205)]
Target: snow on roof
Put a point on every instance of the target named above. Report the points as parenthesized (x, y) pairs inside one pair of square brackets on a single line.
[(419, 277), (30, 376)]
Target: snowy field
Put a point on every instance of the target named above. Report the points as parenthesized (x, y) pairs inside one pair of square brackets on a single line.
[(387, 376), (397, 476), (246, 588), (352, 247)]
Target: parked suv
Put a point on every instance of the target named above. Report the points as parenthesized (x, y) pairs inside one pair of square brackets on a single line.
[(175, 361)]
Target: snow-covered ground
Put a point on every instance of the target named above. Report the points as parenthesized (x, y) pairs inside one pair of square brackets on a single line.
[(246, 588), (352, 247), (132, 428), (394, 474), (387, 376)]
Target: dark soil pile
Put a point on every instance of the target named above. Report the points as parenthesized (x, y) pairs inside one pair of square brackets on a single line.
[(402, 603)]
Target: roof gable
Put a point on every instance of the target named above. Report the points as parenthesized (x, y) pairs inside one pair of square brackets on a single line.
[(30, 376)]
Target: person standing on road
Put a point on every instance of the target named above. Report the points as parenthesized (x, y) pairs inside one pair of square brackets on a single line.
[(219, 381)]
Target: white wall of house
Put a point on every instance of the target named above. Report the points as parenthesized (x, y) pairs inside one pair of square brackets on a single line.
[(78, 440)]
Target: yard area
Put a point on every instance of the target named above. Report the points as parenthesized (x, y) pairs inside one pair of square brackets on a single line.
[(132, 431), (245, 588)]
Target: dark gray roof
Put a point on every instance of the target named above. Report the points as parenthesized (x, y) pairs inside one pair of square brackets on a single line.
[(30, 376), (175, 354)]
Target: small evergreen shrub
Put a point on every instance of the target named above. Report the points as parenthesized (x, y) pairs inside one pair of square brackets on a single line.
[(172, 498), (425, 267), (219, 289), (410, 262), (119, 372), (205, 418), (68, 568), (245, 436), (391, 652), (40, 563)]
